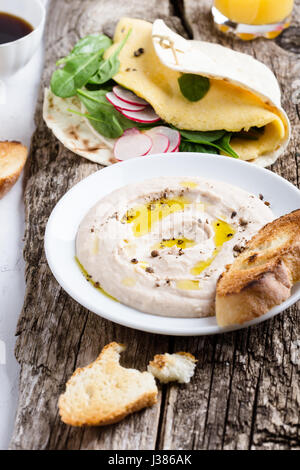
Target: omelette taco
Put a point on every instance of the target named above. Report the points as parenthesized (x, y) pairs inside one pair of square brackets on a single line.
[(151, 91)]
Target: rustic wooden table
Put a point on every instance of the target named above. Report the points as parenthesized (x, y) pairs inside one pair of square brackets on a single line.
[(245, 393)]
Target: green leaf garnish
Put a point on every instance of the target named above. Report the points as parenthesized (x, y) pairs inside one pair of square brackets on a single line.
[(75, 74), (186, 146), (87, 45), (219, 140), (224, 145), (110, 66), (102, 114), (193, 87), (200, 137)]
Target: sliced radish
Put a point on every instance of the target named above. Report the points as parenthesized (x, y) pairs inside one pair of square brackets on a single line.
[(119, 104), (148, 115), (172, 134), (131, 131), (176, 150), (160, 142), (132, 145), (128, 96)]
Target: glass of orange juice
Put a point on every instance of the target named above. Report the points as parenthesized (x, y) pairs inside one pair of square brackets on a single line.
[(250, 19)]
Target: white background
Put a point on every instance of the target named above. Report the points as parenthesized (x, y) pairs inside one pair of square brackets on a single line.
[(16, 123)]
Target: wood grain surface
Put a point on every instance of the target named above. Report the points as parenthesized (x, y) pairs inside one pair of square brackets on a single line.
[(245, 393)]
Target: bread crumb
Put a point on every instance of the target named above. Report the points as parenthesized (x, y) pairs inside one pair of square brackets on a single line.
[(178, 367)]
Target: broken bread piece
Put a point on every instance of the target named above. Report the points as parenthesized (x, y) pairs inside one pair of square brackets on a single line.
[(178, 367), (12, 160), (104, 392), (263, 274)]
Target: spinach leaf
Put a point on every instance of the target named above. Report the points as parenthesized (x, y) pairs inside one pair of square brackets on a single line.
[(102, 115), (199, 137), (107, 86), (224, 145), (95, 102), (75, 74), (108, 126), (216, 139), (192, 147), (92, 43), (101, 124), (219, 139), (87, 45), (193, 87), (109, 67)]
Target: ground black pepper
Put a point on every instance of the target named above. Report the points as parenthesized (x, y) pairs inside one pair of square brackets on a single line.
[(149, 270), (139, 52)]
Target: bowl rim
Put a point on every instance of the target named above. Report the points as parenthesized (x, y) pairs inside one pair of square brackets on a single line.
[(34, 31)]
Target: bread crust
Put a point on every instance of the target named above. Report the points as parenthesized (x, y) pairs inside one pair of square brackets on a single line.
[(263, 274), (13, 156)]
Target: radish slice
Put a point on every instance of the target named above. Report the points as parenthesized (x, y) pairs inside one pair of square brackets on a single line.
[(176, 150), (127, 96), (132, 145), (160, 142), (119, 104), (148, 115), (131, 131), (172, 134)]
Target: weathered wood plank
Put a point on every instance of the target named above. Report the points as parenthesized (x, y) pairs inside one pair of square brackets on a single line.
[(246, 393), (55, 334)]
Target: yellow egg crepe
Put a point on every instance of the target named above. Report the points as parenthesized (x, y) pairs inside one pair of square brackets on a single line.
[(243, 92)]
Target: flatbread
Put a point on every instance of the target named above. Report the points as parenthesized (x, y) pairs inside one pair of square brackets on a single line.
[(74, 131)]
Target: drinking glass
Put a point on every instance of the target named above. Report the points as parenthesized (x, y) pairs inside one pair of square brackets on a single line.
[(249, 19)]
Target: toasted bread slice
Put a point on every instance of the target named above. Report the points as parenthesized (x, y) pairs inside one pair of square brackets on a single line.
[(179, 367), (12, 160), (104, 392), (263, 274)]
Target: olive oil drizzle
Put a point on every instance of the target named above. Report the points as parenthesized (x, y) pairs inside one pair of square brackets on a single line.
[(223, 233), (189, 184), (144, 216), (95, 284), (187, 284)]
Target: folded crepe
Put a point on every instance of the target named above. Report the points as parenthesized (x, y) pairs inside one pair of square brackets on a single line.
[(243, 94)]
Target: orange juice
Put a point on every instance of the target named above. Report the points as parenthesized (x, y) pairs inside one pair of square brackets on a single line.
[(255, 12)]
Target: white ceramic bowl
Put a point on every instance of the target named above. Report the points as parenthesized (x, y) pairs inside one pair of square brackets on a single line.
[(70, 210), (14, 55)]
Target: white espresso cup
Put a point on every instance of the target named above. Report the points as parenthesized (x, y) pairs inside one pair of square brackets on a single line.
[(14, 55)]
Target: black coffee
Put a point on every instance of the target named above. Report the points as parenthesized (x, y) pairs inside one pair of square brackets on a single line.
[(13, 28)]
